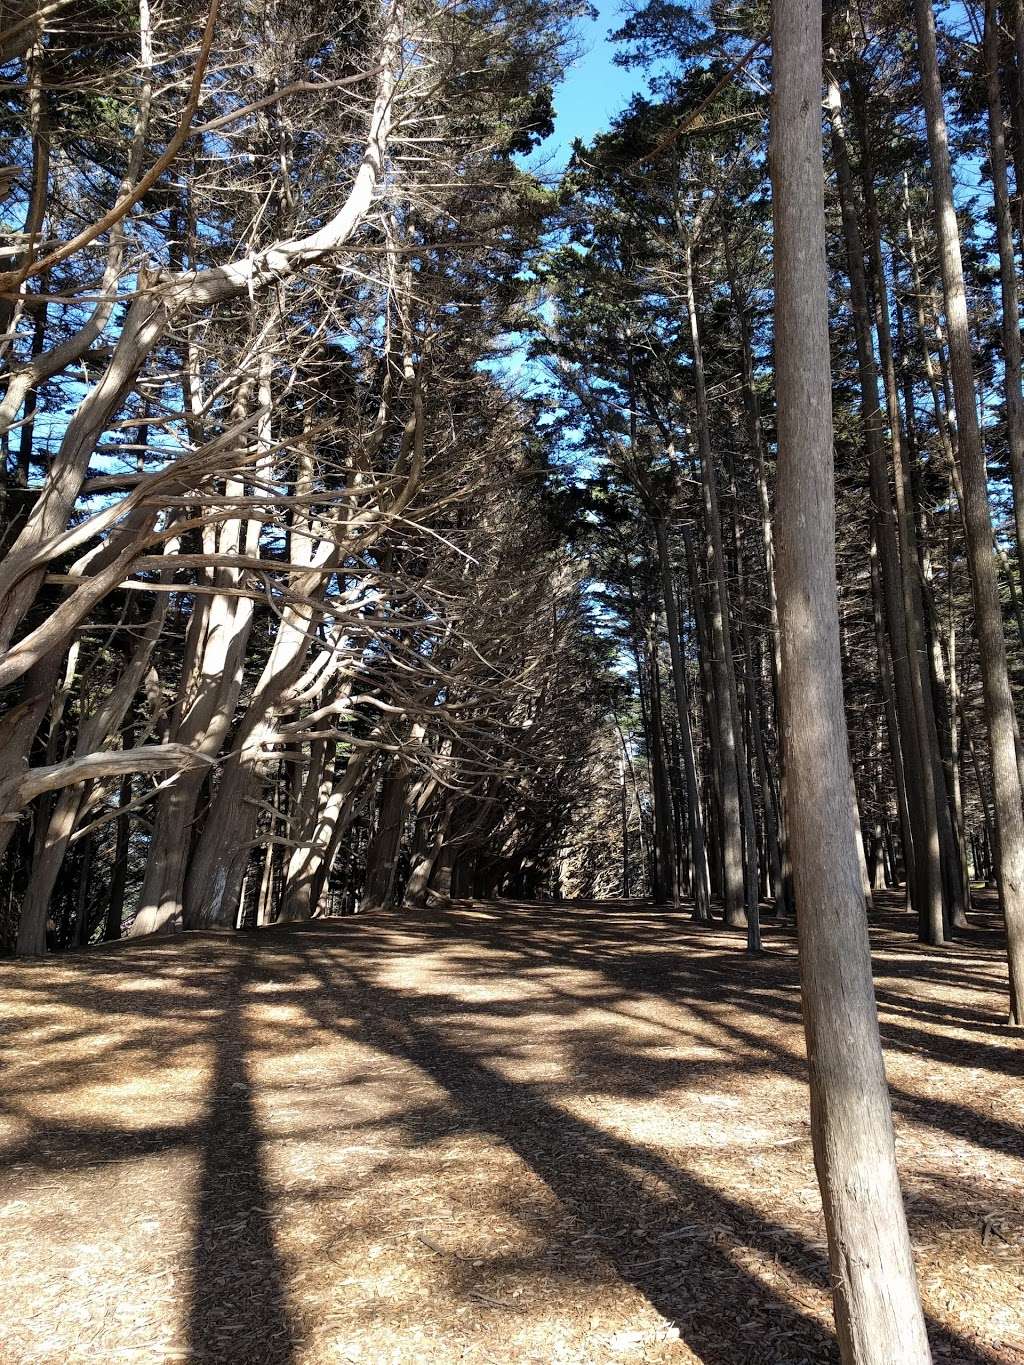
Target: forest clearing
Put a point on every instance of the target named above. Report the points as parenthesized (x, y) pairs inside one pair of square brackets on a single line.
[(486, 1133)]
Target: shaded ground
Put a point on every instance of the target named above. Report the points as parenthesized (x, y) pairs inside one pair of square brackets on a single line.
[(489, 1133)]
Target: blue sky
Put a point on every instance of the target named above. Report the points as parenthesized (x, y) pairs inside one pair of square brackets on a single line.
[(594, 89)]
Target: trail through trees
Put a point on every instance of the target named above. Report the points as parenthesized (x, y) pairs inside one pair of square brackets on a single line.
[(398, 505)]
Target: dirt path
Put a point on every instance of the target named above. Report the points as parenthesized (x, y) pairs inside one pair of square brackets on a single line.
[(492, 1133)]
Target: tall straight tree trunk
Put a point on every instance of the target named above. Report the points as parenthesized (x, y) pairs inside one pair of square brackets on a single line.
[(774, 813), (771, 826), (995, 675), (896, 565), (878, 1311), (914, 586), (885, 671), (701, 891), (663, 842), (713, 805), (738, 912), (855, 801), (653, 882), (955, 762), (1007, 273), (624, 819)]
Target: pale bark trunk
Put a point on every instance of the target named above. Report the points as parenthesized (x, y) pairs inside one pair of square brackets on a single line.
[(146, 321), (309, 864), (218, 632), (878, 1312)]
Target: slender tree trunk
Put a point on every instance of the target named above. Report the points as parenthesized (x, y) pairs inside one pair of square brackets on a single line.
[(82, 927), (772, 848), (897, 565), (701, 890), (878, 1312), (1007, 273), (709, 709), (892, 726), (737, 911), (624, 825), (915, 589), (774, 815), (664, 846), (978, 521), (119, 873)]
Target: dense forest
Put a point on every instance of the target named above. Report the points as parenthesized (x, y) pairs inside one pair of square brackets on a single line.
[(392, 516)]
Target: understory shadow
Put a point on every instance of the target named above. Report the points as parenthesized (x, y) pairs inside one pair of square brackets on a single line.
[(721, 1310), (238, 1309), (741, 1287), (727, 1314)]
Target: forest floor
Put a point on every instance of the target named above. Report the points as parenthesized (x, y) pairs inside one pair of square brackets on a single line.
[(487, 1133)]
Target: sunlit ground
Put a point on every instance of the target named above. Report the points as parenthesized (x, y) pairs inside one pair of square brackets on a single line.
[(494, 1133)]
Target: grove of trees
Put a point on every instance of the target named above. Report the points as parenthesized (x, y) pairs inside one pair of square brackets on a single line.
[(388, 515)]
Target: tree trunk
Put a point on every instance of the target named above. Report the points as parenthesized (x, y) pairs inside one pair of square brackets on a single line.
[(1007, 274), (897, 571), (309, 864), (915, 588), (878, 1312), (119, 874), (738, 912), (699, 860), (667, 889), (978, 522)]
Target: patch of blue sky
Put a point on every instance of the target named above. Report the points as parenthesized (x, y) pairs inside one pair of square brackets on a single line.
[(593, 92)]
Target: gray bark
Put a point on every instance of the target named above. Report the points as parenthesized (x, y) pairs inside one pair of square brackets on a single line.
[(878, 1312), (999, 712)]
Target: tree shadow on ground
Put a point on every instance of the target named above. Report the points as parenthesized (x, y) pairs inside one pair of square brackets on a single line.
[(238, 1308), (700, 1254), (726, 1313), (722, 1311)]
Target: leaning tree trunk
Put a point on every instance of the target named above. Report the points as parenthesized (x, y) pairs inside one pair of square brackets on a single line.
[(878, 1312), (160, 297), (995, 676), (309, 864)]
